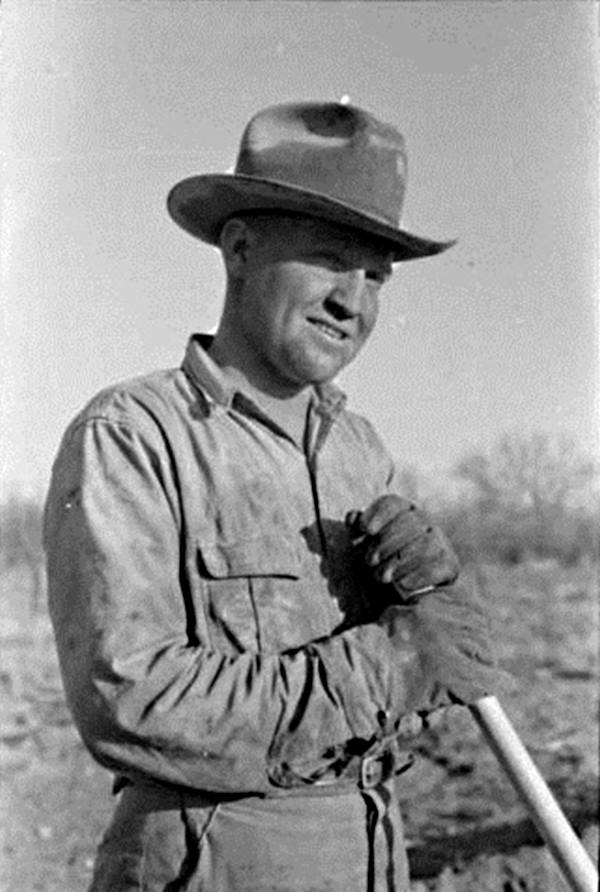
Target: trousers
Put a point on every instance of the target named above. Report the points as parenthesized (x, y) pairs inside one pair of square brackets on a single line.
[(165, 841)]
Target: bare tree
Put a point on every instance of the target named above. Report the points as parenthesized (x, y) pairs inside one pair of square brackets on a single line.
[(532, 493), (536, 471)]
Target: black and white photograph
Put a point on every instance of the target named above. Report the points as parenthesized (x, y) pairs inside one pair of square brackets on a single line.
[(299, 465)]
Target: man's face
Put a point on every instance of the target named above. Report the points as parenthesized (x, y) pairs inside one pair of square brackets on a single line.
[(309, 301)]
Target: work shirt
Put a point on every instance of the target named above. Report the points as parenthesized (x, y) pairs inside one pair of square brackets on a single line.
[(217, 632)]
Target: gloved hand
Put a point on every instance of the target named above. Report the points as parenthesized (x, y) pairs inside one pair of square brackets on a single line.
[(403, 546), (450, 631)]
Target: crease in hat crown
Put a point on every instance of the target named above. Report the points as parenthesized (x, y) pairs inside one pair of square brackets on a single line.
[(330, 160)]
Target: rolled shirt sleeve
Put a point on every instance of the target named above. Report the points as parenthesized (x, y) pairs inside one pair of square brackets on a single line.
[(153, 700)]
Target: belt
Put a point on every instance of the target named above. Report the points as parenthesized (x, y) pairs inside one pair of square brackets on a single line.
[(382, 761), (385, 761)]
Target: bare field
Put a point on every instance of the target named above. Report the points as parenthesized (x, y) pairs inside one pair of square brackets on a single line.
[(466, 828)]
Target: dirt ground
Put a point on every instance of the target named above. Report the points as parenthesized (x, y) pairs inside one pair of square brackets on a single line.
[(466, 828)]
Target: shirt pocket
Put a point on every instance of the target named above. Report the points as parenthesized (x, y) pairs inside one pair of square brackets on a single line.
[(251, 593)]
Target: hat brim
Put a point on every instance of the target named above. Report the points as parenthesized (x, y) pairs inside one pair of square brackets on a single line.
[(202, 204)]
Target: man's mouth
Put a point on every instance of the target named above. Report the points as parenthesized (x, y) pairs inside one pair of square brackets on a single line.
[(336, 334)]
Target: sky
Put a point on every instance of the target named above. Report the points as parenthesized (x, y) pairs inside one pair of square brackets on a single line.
[(107, 103)]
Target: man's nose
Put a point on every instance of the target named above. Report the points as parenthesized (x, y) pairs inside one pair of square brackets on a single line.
[(345, 299)]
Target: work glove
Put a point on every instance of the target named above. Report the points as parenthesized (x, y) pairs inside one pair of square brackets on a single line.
[(450, 631), (403, 547)]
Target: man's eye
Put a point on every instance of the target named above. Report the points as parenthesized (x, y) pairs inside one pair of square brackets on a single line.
[(376, 275), (332, 262)]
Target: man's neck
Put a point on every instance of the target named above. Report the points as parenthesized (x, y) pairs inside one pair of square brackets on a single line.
[(288, 410), (290, 413)]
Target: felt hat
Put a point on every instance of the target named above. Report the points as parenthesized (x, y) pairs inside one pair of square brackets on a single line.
[(328, 160)]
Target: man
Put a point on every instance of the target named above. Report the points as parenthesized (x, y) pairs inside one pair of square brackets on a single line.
[(247, 612)]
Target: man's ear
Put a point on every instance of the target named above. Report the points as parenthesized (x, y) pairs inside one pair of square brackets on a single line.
[(237, 240)]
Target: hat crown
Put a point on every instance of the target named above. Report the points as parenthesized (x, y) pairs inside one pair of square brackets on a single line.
[(330, 149), (329, 160)]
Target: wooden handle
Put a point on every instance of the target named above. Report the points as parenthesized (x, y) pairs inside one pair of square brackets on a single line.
[(550, 821)]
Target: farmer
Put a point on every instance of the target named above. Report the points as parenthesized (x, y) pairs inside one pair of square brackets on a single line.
[(249, 616)]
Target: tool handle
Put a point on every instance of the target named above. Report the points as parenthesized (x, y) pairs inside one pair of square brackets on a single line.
[(550, 821)]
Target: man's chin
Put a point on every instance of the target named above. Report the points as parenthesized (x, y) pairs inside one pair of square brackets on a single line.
[(315, 370), (325, 376), (324, 371)]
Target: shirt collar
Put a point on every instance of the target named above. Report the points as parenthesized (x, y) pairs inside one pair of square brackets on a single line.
[(204, 372), (217, 388)]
